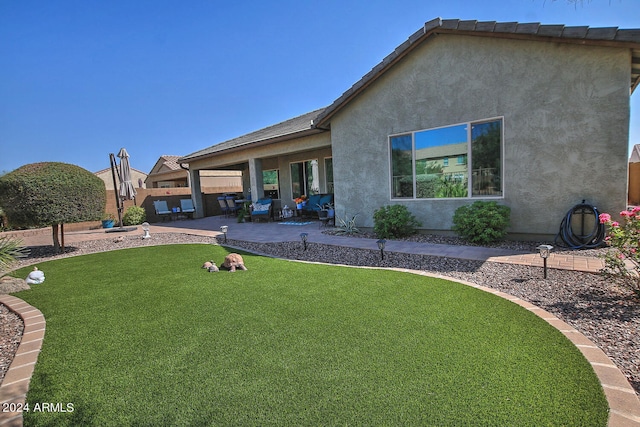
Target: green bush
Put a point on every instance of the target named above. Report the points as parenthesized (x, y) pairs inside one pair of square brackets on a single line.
[(394, 221), (134, 215), (10, 250), (482, 222), (49, 193)]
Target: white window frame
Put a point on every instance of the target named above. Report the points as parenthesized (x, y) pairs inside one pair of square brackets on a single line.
[(305, 190), (469, 162)]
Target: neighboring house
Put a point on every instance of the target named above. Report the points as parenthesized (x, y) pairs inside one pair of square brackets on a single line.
[(137, 178), (168, 173), (533, 116), (635, 154), (634, 177)]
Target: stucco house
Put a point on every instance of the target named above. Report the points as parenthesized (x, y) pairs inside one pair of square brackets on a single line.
[(533, 116), (168, 173), (137, 178)]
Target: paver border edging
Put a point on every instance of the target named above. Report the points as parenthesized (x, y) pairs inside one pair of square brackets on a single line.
[(15, 384), (624, 404)]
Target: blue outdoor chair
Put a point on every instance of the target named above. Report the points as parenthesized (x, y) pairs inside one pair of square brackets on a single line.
[(232, 205), (262, 209), (223, 206), (162, 209), (187, 208)]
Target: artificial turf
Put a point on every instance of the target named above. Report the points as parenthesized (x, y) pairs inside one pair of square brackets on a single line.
[(146, 337)]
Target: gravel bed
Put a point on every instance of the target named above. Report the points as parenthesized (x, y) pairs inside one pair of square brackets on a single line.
[(605, 313), (11, 328)]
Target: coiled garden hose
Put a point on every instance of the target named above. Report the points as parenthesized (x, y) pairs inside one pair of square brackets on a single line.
[(587, 239)]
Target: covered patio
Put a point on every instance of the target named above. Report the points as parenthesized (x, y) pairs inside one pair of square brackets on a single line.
[(283, 162)]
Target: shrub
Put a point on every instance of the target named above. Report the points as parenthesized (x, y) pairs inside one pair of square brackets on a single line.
[(481, 222), (10, 250), (622, 262), (347, 226), (394, 221), (51, 193), (134, 215)]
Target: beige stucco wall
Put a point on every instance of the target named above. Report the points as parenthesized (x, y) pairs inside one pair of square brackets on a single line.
[(566, 124), (136, 175)]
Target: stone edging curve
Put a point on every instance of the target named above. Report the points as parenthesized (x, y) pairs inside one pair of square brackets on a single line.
[(624, 404), (14, 387)]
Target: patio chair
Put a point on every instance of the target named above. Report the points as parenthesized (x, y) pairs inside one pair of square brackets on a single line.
[(187, 208), (223, 206), (232, 205), (262, 209), (162, 209)]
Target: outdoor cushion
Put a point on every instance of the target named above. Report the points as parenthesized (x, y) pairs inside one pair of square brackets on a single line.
[(313, 202), (326, 199), (260, 209), (187, 205), (316, 202)]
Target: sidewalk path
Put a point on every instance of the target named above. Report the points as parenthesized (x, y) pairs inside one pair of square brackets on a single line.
[(266, 232)]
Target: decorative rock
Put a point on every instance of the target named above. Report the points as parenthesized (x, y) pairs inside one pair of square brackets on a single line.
[(233, 261), (9, 285), (35, 277)]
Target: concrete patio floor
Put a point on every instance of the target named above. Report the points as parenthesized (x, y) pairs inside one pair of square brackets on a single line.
[(266, 232)]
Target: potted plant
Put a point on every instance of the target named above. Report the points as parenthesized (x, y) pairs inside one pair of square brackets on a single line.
[(108, 220), (331, 212), (244, 214), (300, 201)]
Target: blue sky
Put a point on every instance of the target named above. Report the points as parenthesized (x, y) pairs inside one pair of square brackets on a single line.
[(81, 79)]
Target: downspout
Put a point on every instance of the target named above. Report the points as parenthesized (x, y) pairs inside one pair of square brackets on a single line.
[(188, 174)]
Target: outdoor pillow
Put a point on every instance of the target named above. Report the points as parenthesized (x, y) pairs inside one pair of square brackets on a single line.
[(259, 208)]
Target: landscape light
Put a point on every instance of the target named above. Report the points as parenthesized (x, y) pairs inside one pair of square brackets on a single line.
[(224, 230), (381, 244), (145, 228), (545, 251)]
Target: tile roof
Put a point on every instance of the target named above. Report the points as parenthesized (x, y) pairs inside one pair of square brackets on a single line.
[(288, 129), (315, 120), (584, 35), (171, 162)]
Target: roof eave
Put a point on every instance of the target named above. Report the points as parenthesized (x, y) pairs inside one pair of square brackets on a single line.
[(280, 138), (502, 30)]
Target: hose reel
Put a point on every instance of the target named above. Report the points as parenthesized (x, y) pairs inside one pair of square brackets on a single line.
[(581, 228)]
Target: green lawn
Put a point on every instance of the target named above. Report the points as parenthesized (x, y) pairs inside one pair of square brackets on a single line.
[(145, 337)]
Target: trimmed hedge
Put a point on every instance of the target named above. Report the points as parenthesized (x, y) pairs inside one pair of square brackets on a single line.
[(48, 193)]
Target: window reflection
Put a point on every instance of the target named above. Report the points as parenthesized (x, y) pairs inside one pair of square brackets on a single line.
[(435, 175), (434, 163)]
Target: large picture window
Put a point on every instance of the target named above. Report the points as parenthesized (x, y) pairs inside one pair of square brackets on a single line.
[(463, 160)]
